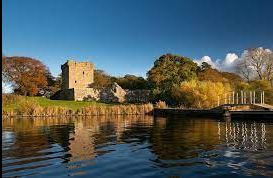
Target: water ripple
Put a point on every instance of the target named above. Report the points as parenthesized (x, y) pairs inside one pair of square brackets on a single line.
[(136, 146)]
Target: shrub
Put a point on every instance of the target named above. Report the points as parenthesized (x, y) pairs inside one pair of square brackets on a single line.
[(200, 94), (161, 104), (27, 107)]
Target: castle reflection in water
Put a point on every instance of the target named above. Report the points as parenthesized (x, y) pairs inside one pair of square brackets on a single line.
[(84, 138), (80, 144), (78, 136)]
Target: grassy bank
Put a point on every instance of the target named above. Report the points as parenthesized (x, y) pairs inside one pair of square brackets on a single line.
[(14, 105), (16, 101)]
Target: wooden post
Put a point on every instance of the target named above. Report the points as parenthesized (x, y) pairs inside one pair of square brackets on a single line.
[(245, 97), (225, 98), (218, 100), (237, 98), (242, 97), (228, 98), (261, 97), (233, 101), (254, 97), (250, 95)]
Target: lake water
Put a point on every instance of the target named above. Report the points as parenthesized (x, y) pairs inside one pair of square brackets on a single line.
[(136, 146)]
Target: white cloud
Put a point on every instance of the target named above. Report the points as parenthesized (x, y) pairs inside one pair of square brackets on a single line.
[(230, 59), (268, 50), (227, 64), (206, 59)]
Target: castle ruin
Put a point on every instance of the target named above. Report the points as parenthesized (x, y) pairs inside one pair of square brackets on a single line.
[(77, 80)]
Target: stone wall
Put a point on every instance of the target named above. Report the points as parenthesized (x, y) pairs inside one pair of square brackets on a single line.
[(65, 94), (113, 93), (86, 94), (137, 96)]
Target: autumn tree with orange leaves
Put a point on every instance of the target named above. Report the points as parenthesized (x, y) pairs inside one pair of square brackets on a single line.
[(27, 75)]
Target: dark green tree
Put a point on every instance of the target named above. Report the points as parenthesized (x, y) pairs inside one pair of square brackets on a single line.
[(171, 70), (133, 82)]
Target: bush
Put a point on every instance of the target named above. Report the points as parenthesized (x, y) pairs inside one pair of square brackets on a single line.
[(161, 104), (28, 107), (199, 94)]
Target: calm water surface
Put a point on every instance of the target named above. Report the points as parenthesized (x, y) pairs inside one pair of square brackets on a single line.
[(136, 146)]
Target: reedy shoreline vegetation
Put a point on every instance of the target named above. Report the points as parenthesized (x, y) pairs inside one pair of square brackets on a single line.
[(14, 105)]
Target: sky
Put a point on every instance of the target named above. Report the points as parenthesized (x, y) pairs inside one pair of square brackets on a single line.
[(126, 37)]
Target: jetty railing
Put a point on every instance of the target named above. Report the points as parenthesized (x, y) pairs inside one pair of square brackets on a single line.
[(242, 97)]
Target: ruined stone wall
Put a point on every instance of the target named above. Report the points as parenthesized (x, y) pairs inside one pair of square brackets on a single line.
[(86, 94), (137, 96), (77, 74), (65, 77), (112, 94), (65, 94)]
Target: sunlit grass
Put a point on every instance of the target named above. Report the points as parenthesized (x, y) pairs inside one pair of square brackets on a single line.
[(15, 101), (13, 105)]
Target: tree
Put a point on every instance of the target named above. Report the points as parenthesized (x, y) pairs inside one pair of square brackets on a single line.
[(171, 70), (205, 66), (209, 74), (53, 85), (133, 82), (26, 74), (244, 70), (257, 62), (101, 79), (269, 68), (233, 79), (168, 72)]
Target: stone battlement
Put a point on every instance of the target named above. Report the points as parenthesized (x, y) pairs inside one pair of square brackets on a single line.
[(77, 64)]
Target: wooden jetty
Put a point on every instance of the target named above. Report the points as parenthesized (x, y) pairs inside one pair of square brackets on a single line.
[(232, 111), (243, 104)]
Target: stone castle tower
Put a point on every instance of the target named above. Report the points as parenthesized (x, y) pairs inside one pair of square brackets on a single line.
[(77, 74)]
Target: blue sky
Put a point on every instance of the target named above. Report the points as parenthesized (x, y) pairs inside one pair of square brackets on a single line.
[(126, 36)]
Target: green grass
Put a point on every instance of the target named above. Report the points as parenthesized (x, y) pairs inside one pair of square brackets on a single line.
[(15, 105), (44, 102)]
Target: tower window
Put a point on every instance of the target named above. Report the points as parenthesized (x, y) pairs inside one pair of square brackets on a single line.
[(83, 72), (75, 81)]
